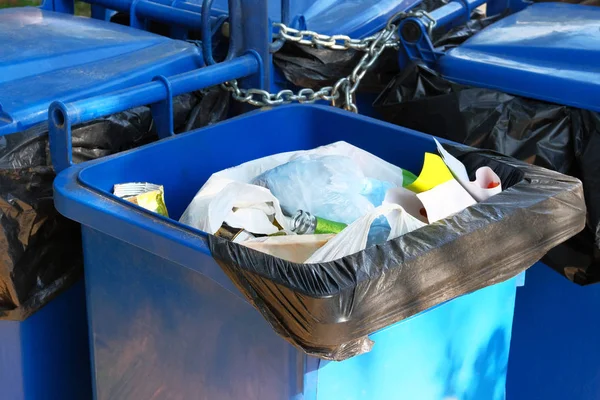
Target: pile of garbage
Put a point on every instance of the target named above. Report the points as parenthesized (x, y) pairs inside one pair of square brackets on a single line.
[(324, 204)]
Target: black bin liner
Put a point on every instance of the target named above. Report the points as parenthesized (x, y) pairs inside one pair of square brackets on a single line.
[(317, 67), (553, 136), (328, 309), (41, 250)]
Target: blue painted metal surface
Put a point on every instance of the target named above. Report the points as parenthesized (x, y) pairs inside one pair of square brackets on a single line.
[(548, 52), (167, 321), (456, 12), (48, 56), (243, 30), (46, 357), (555, 347)]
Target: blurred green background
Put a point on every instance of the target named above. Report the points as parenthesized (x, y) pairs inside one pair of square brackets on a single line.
[(81, 8)]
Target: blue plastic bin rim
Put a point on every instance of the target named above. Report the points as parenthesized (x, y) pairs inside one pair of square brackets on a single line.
[(86, 192)]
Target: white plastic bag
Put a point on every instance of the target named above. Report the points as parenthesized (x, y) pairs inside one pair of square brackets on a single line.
[(331, 186), (231, 189), (222, 200), (354, 238)]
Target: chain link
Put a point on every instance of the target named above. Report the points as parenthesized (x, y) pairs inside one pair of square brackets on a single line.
[(342, 93), (310, 38), (262, 98)]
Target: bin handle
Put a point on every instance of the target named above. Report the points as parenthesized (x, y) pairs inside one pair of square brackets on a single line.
[(158, 93)]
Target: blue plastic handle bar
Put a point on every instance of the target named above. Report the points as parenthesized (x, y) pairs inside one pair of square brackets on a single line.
[(61, 116), (285, 19), (455, 12), (207, 33), (235, 18), (167, 14)]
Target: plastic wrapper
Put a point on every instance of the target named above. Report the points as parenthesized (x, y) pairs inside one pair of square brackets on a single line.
[(557, 137), (41, 250), (146, 195), (328, 309), (329, 186)]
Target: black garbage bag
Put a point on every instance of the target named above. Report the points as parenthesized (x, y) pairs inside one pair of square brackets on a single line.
[(328, 309), (429, 5), (316, 67), (454, 37), (41, 250), (553, 136)]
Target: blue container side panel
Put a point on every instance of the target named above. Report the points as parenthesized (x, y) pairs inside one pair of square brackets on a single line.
[(549, 51), (458, 350), (46, 357), (163, 331), (555, 350), (50, 56)]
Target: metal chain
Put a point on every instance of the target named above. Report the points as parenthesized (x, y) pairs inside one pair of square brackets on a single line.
[(262, 98), (342, 93), (310, 38)]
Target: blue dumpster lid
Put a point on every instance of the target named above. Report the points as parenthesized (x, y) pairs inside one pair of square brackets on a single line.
[(48, 56), (548, 51), (356, 18)]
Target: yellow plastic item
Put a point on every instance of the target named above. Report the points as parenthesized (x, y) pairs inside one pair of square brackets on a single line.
[(434, 172), (152, 201)]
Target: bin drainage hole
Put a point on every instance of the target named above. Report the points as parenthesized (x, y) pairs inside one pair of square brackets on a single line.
[(59, 117)]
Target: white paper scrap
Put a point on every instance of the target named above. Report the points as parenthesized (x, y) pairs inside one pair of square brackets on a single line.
[(486, 184), (444, 200), (408, 200)]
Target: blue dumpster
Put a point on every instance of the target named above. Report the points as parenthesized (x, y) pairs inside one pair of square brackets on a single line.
[(167, 322)]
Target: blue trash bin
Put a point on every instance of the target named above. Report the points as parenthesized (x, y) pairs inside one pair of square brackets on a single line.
[(167, 322), (45, 56), (554, 352)]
